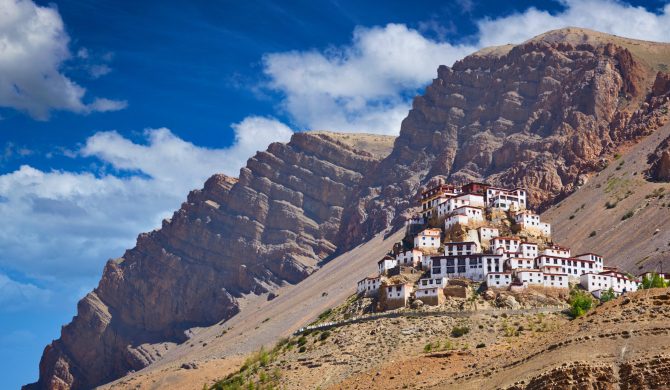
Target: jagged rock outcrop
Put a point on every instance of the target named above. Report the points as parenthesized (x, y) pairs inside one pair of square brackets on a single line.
[(233, 237), (659, 161), (538, 115)]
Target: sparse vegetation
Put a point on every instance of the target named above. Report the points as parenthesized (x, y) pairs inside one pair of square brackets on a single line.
[(580, 303), (655, 281), (509, 330), (657, 193), (458, 331), (481, 345), (254, 373), (628, 214), (592, 234), (323, 336), (608, 295), (610, 204)]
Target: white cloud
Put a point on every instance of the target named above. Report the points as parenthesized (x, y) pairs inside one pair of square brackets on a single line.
[(33, 47), (105, 105), (611, 17), (16, 295), (359, 87), (367, 85), (64, 225)]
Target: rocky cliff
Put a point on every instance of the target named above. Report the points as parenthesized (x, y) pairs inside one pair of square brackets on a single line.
[(233, 237), (538, 115), (542, 115)]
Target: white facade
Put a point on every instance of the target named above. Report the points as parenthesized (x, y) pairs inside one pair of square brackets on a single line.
[(617, 281), (528, 250), (498, 279), (487, 233), (461, 248), (530, 277), (506, 199), (399, 291), (369, 286), (493, 263), (454, 220), (521, 263), (410, 257), (435, 196), (465, 266), (475, 214), (428, 238), (507, 244), (557, 251), (531, 222), (597, 259), (450, 205), (572, 266), (439, 282), (557, 280), (386, 264)]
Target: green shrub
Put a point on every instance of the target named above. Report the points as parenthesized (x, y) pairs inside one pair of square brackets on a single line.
[(580, 303), (458, 331), (302, 341), (428, 347), (481, 345), (608, 295), (592, 234), (302, 349), (324, 335), (628, 214), (656, 281)]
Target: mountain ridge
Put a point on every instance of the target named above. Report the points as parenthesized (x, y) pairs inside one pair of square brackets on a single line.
[(543, 115)]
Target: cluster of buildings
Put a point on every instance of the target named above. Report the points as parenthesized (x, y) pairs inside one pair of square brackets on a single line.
[(503, 262)]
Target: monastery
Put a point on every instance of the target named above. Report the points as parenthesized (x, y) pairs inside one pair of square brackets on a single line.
[(476, 212)]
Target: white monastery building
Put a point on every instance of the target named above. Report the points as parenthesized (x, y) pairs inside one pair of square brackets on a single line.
[(428, 238)]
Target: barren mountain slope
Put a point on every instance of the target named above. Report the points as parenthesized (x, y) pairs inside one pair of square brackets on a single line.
[(230, 239), (543, 114), (622, 344), (539, 115), (218, 350), (640, 241)]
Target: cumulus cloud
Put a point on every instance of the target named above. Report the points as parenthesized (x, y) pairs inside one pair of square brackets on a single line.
[(34, 46), (359, 87), (611, 17), (367, 86), (66, 224)]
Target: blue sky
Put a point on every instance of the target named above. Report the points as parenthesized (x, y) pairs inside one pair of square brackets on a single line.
[(111, 111)]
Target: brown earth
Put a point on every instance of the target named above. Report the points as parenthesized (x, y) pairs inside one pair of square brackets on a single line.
[(538, 115), (636, 244), (544, 114), (622, 344), (230, 242)]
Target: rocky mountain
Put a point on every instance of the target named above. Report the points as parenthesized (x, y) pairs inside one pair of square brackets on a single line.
[(233, 237), (540, 115), (544, 115)]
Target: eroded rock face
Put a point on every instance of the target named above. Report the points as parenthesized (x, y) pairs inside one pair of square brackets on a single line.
[(233, 237), (539, 115), (659, 161)]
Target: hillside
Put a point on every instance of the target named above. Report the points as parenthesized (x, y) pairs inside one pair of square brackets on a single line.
[(620, 344), (636, 243), (538, 115), (232, 241), (546, 115)]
